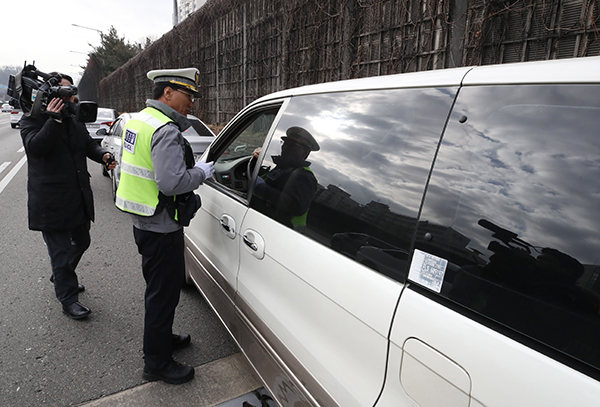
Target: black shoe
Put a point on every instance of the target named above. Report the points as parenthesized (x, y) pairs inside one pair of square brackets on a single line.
[(173, 373), (76, 310), (181, 341), (80, 286)]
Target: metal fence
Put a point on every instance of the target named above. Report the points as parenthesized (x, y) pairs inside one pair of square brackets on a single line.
[(245, 49)]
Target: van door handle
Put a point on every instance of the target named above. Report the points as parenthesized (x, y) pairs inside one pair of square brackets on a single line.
[(250, 244), (254, 242), (227, 226)]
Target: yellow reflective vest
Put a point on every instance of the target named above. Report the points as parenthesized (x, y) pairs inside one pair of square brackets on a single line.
[(299, 222), (138, 192)]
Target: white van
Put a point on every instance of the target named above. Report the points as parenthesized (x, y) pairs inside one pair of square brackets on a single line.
[(439, 245)]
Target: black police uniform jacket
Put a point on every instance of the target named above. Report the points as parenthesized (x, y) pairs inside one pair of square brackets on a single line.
[(58, 186), (288, 191)]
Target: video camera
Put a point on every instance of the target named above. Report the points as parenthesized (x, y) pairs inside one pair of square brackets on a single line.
[(32, 90)]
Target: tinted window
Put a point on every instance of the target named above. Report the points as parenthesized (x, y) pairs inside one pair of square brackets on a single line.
[(362, 189), (511, 215)]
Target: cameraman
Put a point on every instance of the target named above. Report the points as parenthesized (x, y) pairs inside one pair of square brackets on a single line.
[(60, 203)]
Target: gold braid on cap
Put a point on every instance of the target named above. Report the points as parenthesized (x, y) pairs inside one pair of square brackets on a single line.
[(175, 82)]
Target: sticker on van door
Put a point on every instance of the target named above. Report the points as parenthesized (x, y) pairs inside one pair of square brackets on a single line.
[(427, 270)]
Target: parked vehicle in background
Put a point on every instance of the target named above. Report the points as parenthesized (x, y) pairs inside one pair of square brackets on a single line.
[(6, 108), (104, 120), (112, 141), (449, 256), (15, 116), (199, 136)]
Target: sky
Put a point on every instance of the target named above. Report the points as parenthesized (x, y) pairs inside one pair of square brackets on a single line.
[(43, 31)]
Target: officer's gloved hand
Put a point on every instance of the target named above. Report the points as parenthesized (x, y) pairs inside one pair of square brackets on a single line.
[(207, 168)]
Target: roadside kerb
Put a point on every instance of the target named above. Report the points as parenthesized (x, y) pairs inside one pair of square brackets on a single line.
[(214, 383)]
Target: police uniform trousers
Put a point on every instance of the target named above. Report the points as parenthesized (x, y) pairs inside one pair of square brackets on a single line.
[(65, 248), (163, 267)]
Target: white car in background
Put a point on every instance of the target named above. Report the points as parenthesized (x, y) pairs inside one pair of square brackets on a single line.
[(199, 136), (104, 119), (15, 116), (6, 108)]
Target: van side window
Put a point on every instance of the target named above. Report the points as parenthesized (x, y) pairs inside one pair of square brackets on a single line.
[(510, 221), (232, 154), (349, 170)]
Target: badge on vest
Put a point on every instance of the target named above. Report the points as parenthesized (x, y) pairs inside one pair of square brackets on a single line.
[(129, 141)]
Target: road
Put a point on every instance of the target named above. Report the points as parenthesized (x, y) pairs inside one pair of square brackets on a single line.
[(48, 359)]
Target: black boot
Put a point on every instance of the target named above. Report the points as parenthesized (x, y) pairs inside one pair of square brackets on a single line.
[(173, 373)]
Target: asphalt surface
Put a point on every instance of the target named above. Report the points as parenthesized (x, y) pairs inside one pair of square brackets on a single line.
[(48, 359)]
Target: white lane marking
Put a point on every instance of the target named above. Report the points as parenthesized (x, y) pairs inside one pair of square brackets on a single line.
[(4, 165), (21, 150), (12, 174)]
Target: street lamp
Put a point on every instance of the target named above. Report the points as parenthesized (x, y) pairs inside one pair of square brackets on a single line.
[(88, 28), (91, 54), (79, 52), (89, 90)]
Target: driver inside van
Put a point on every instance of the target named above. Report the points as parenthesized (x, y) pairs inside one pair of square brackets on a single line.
[(285, 192)]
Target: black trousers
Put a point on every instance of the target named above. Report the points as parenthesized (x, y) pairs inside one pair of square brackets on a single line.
[(163, 267), (65, 249)]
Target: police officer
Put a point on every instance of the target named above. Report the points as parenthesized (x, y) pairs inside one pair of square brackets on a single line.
[(286, 192), (157, 169)]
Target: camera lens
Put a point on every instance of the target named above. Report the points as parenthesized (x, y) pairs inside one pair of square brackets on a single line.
[(87, 112)]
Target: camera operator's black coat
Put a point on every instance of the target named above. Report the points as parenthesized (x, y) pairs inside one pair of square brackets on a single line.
[(60, 195)]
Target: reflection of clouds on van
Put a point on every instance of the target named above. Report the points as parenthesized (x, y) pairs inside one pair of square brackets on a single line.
[(372, 141), (506, 157)]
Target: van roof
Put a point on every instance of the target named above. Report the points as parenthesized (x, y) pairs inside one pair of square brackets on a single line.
[(573, 70), (436, 78)]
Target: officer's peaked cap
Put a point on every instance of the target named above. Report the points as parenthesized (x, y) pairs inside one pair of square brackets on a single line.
[(303, 137), (185, 78)]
